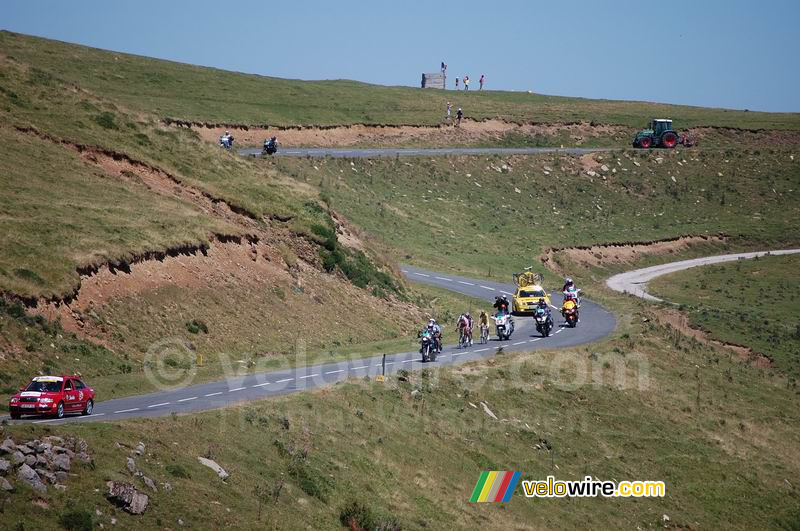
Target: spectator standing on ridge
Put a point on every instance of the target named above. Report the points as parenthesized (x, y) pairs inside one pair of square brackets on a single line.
[(456, 83), (459, 116), (480, 82), (466, 82), (449, 109)]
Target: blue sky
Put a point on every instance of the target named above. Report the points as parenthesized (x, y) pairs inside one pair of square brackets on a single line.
[(736, 54)]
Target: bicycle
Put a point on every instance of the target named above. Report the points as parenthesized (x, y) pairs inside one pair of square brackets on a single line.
[(484, 334), (463, 338)]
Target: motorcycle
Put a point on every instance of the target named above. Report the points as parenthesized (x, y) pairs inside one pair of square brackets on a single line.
[(573, 294), (544, 321), (427, 346), (570, 312), (226, 142), (504, 326), (270, 148)]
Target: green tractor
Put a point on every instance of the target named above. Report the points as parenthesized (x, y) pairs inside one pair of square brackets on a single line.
[(660, 134)]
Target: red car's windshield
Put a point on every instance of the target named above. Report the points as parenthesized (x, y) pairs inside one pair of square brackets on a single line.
[(44, 387)]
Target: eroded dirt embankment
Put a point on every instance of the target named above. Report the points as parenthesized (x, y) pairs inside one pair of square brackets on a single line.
[(472, 132), (624, 252), (253, 251), (680, 322)]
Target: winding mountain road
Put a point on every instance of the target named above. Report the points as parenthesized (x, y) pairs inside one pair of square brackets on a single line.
[(635, 282), (362, 153), (596, 323)]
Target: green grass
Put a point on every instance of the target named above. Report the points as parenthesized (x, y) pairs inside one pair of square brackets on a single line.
[(187, 92), (236, 330), (461, 214), (754, 303), (61, 214), (721, 437), (721, 434)]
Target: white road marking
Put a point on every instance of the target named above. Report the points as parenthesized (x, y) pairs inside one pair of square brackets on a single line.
[(456, 354), (482, 350), (159, 405), (422, 275), (187, 399), (127, 410), (487, 287), (284, 380), (506, 293), (555, 307), (358, 368), (334, 372), (237, 389), (444, 278), (519, 343), (307, 376), (409, 361), (262, 384), (559, 330), (404, 270), (466, 283), (214, 394)]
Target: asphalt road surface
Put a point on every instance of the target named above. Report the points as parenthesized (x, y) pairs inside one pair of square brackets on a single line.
[(364, 153), (635, 282), (595, 323)]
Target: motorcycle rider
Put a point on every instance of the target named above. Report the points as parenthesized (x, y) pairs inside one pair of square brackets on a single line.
[(271, 143), (570, 290), (501, 305), (226, 140), (436, 333)]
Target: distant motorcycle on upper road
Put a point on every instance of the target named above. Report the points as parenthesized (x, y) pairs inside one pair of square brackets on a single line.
[(270, 146)]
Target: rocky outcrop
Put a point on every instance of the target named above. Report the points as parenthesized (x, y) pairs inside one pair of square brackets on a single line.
[(27, 475), (127, 497), (38, 463), (214, 466)]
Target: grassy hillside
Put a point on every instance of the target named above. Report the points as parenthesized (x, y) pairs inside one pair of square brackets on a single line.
[(186, 92), (94, 177), (755, 303), (722, 438), (490, 216)]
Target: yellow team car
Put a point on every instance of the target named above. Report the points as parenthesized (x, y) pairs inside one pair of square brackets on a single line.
[(528, 293)]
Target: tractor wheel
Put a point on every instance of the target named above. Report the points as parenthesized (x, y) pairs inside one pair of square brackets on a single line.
[(645, 142), (669, 139)]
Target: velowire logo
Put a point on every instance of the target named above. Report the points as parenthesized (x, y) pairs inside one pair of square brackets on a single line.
[(494, 486)]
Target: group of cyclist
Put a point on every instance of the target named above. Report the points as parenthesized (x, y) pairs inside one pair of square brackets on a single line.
[(465, 324)]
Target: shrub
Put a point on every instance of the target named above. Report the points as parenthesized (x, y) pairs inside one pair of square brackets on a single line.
[(359, 517), (312, 483), (177, 471), (195, 326), (106, 120), (76, 520)]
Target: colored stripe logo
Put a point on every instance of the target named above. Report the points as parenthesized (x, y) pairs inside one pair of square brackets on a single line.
[(494, 486)]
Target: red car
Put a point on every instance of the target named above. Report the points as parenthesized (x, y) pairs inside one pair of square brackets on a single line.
[(53, 395)]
